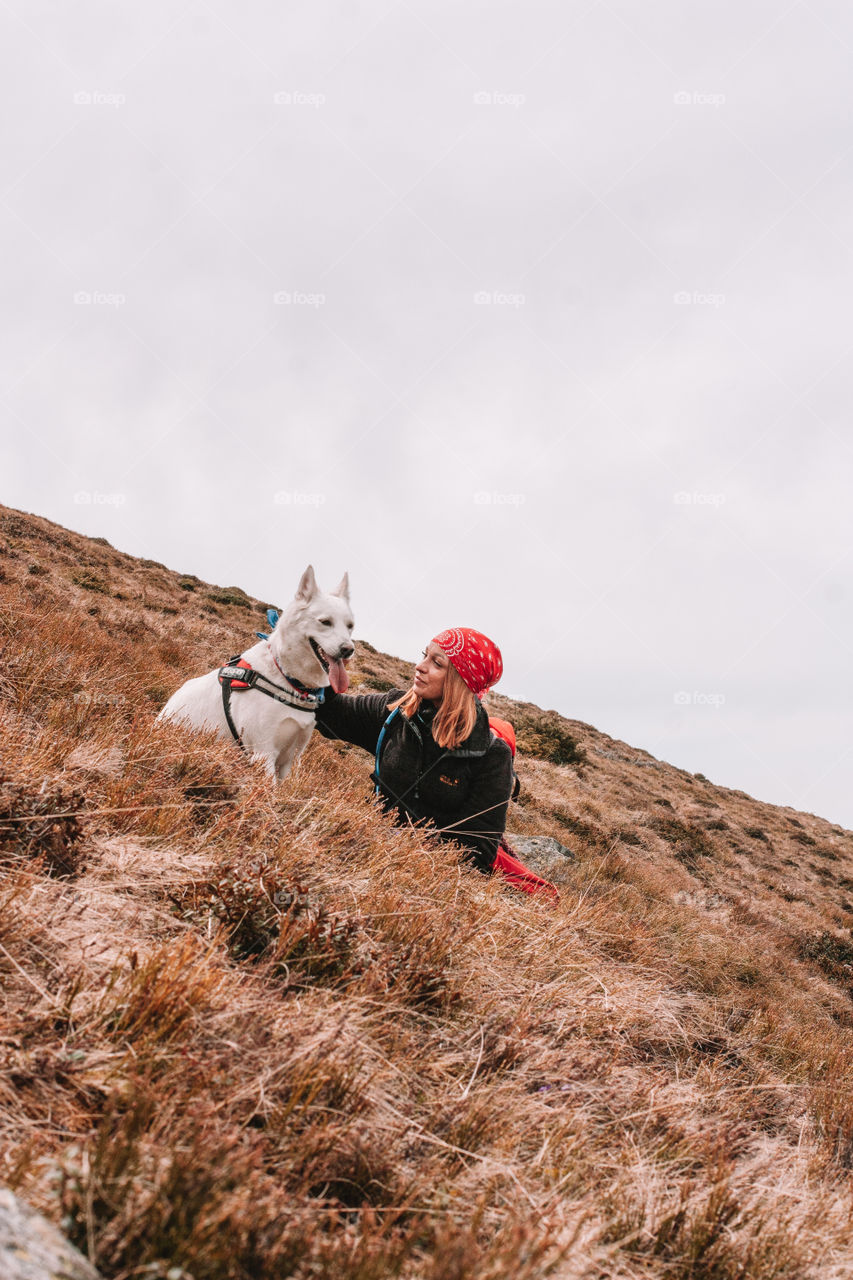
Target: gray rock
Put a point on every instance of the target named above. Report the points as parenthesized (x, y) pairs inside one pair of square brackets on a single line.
[(542, 854), (31, 1248)]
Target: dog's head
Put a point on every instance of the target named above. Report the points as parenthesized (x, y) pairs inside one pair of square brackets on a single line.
[(325, 622)]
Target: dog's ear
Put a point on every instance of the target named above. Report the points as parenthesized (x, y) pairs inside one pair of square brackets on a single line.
[(342, 589), (307, 588)]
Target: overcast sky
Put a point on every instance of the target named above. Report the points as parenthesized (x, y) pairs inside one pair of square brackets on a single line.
[(535, 317)]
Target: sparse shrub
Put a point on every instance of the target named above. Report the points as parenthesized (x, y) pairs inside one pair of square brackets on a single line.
[(689, 843), (231, 596), (269, 915), (546, 738), (379, 683), (265, 914), (314, 945), (589, 832), (833, 954), (242, 903), (90, 582), (14, 525), (41, 825)]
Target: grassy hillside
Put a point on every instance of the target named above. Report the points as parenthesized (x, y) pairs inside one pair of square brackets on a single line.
[(249, 1032)]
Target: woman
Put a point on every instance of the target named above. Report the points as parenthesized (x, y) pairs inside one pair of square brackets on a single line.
[(438, 759)]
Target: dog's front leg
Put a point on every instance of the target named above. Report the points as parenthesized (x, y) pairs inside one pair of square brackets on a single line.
[(269, 763), (295, 740), (284, 763)]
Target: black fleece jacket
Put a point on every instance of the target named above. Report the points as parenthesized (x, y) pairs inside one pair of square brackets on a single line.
[(463, 792)]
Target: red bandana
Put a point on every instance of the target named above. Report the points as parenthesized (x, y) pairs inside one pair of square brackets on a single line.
[(477, 659)]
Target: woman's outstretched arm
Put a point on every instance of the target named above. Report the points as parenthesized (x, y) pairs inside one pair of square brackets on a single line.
[(355, 718)]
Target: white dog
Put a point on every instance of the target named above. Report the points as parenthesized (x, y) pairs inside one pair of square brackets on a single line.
[(266, 699)]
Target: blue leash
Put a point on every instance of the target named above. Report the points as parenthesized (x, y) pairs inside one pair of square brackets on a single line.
[(272, 619)]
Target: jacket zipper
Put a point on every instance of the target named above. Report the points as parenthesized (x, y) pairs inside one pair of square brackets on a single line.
[(420, 761)]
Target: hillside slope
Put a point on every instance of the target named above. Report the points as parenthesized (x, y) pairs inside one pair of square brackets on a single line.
[(263, 1033)]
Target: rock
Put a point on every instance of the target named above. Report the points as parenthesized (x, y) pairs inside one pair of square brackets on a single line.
[(32, 1248), (542, 854)]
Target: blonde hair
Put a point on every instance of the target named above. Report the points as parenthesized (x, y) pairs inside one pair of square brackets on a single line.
[(456, 714)]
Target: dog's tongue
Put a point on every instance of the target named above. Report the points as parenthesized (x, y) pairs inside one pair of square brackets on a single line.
[(338, 676)]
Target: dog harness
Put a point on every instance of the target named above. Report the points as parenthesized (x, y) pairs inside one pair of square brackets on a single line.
[(238, 675)]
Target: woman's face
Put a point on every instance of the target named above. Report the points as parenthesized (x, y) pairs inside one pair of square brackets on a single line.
[(430, 673)]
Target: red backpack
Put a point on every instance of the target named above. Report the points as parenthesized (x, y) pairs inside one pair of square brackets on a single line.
[(503, 729), (512, 870)]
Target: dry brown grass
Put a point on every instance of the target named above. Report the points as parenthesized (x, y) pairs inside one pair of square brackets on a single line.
[(255, 1033)]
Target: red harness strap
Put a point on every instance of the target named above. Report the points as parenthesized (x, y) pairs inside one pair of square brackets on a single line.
[(518, 875), (232, 682), (302, 699)]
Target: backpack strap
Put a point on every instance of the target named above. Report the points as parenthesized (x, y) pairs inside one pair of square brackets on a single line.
[(516, 781), (379, 741), (516, 784)]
